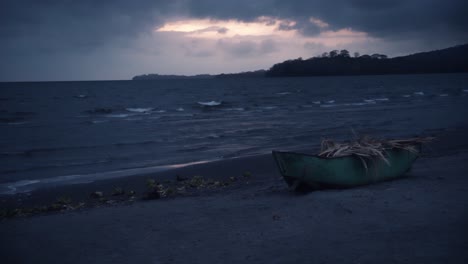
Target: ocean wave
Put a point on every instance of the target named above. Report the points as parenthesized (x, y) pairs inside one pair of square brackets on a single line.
[(381, 99), (180, 109), (118, 115), (12, 188), (40, 151), (17, 123), (98, 121), (81, 96), (234, 109), (140, 110), (12, 153), (465, 90), (406, 95), (10, 120), (283, 93), (419, 93), (133, 119), (328, 105), (330, 101), (443, 95), (358, 104), (316, 102), (100, 111), (210, 103), (370, 101), (268, 107), (53, 166), (16, 118)]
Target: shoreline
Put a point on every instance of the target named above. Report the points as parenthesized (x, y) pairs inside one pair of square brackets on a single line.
[(235, 167), (447, 143)]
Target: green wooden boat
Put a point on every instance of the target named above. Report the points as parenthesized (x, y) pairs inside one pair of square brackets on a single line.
[(303, 171)]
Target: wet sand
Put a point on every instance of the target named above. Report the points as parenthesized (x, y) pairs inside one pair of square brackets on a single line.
[(419, 219)]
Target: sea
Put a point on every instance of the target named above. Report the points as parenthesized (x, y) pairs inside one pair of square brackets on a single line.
[(61, 133)]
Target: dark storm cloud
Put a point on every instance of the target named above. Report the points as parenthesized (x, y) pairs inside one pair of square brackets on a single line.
[(58, 24), (385, 19)]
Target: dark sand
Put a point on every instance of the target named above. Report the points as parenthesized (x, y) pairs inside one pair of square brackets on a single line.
[(419, 219)]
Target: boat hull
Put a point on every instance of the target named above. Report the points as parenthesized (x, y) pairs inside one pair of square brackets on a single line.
[(342, 172)]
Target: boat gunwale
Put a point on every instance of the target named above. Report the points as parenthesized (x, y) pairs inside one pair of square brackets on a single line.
[(340, 157)]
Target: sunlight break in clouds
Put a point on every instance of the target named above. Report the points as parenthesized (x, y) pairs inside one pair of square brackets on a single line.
[(253, 45), (207, 28), (264, 27)]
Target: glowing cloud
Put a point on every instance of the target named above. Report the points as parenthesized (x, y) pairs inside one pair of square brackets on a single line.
[(319, 23), (208, 28)]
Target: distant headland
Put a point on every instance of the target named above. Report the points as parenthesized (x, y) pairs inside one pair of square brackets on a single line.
[(335, 62)]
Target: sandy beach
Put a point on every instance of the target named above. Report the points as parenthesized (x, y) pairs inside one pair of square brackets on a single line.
[(419, 219)]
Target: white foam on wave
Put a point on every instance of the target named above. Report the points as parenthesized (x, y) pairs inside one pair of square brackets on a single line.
[(382, 99), (369, 101), (180, 109), (81, 96), (465, 90), (25, 186), (268, 107), (330, 101), (13, 188), (328, 105), (419, 93), (210, 103), (316, 102), (140, 110), (283, 93), (406, 95), (362, 103)]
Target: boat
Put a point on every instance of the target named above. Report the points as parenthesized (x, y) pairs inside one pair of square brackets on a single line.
[(310, 172)]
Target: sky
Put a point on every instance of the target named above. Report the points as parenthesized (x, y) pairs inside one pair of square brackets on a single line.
[(58, 40)]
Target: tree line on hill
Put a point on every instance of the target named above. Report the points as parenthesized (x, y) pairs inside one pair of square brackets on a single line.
[(336, 62), (454, 59)]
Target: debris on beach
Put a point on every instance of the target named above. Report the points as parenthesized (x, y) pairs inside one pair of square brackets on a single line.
[(153, 190), (180, 186), (118, 191), (60, 205), (369, 147)]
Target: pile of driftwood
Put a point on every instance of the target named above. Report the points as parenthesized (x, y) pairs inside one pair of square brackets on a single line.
[(367, 147)]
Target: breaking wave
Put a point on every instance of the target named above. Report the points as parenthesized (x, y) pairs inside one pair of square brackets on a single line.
[(210, 103), (140, 110)]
